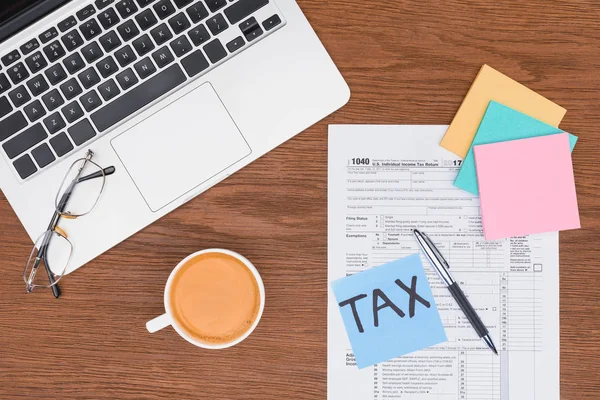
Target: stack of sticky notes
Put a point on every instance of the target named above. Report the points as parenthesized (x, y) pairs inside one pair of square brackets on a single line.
[(515, 158)]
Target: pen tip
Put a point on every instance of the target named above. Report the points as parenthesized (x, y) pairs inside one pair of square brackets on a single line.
[(488, 340)]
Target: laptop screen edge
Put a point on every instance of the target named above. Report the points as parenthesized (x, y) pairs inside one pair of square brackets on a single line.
[(28, 16)]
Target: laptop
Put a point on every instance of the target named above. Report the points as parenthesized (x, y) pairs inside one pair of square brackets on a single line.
[(175, 94)]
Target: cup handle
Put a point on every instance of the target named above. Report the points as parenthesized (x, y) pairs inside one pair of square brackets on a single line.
[(158, 323)]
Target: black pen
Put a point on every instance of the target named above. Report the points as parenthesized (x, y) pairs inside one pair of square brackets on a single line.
[(443, 269)]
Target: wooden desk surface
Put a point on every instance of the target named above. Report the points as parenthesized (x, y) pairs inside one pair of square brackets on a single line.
[(407, 62)]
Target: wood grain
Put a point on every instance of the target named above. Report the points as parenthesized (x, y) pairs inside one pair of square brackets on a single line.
[(407, 62)]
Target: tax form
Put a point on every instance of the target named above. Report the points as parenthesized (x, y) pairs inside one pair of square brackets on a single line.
[(385, 181)]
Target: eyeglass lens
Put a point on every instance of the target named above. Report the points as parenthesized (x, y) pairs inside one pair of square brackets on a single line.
[(50, 255), (78, 194)]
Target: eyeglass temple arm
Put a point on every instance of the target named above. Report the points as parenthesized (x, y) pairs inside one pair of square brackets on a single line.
[(54, 287), (105, 172), (62, 204), (53, 223), (42, 254)]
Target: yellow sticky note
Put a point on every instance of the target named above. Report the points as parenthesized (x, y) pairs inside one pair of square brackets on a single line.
[(492, 85)]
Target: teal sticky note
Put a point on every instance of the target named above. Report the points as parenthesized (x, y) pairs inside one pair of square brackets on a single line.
[(389, 311), (500, 124)]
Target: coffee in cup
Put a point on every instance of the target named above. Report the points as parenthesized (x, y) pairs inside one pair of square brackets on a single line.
[(213, 298)]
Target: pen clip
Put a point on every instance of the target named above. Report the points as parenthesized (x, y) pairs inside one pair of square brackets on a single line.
[(435, 250)]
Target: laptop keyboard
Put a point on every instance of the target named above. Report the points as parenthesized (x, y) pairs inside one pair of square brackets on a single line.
[(76, 81)]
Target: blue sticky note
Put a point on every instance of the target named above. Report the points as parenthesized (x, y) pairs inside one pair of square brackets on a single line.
[(389, 311), (500, 124)]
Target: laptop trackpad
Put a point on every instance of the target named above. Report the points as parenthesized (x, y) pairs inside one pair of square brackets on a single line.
[(181, 146)]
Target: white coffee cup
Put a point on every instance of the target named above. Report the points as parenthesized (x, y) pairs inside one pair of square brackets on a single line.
[(167, 319)]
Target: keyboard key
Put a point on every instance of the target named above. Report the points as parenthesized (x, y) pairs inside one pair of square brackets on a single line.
[(195, 63), (110, 41), (102, 4), (215, 5), (161, 34), (90, 29), (36, 62), (19, 96), (182, 3), (236, 44), (181, 46), (127, 79), (34, 110), (248, 25), (5, 107), (109, 90), (71, 88), (61, 144), (199, 35), (18, 73), (25, 166), (37, 85), (73, 63), (72, 112), (54, 51), (243, 8), (217, 24), (12, 125), (92, 52), (125, 56), (145, 68), (143, 45), (25, 140), (4, 83), (89, 78), (43, 155), (271, 22), (56, 74), (163, 57), (67, 24), (11, 57), (126, 8), (146, 19), (179, 23), (81, 132), (90, 101), (108, 18), (164, 8), (128, 30), (53, 100), (107, 67), (48, 35), (253, 34), (54, 123), (86, 12), (215, 51), (197, 12), (30, 46), (72, 40), (144, 3), (138, 97)]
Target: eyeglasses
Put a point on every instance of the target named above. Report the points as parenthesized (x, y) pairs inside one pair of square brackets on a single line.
[(77, 196)]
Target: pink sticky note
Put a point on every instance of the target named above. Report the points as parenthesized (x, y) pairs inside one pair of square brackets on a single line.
[(526, 186)]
